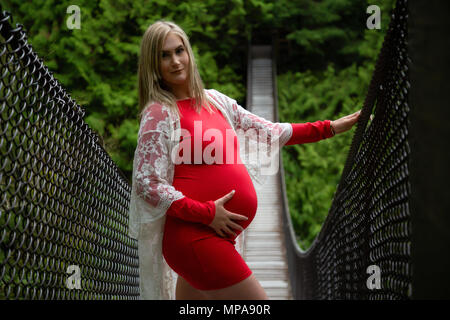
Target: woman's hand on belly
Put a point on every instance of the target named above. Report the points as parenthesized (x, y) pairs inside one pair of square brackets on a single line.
[(223, 218)]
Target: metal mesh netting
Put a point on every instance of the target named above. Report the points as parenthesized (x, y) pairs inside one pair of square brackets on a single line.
[(63, 200), (369, 221)]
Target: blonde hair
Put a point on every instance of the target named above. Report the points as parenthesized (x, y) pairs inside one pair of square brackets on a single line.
[(151, 86)]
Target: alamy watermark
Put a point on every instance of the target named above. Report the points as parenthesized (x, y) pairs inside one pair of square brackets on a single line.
[(74, 280), (374, 21), (258, 148), (74, 20), (374, 280)]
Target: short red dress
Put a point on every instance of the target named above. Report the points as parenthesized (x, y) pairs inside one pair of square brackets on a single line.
[(190, 247)]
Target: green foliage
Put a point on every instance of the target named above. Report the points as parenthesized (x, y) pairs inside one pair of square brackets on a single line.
[(312, 171), (326, 57)]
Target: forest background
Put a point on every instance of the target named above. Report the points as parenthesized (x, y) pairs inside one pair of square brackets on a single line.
[(326, 59)]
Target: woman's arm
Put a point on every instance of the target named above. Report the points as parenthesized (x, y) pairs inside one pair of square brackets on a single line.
[(310, 132), (245, 120), (319, 130), (192, 210)]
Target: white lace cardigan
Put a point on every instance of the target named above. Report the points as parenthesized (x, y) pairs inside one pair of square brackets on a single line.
[(153, 168)]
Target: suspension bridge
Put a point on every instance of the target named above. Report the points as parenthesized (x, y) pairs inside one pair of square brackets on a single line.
[(64, 202)]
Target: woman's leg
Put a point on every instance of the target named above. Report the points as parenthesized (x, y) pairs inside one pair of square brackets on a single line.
[(185, 291), (247, 289)]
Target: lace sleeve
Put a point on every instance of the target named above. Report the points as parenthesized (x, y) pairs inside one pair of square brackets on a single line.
[(274, 131), (253, 126), (152, 194), (153, 171)]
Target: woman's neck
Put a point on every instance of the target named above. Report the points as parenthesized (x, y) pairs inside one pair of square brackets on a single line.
[(181, 93)]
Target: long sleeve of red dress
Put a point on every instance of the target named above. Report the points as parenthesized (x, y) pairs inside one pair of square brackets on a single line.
[(192, 210), (310, 132)]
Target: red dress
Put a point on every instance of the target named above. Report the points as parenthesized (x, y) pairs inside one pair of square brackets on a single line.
[(190, 247)]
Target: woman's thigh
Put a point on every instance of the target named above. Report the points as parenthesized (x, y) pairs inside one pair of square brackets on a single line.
[(247, 289), (185, 291), (207, 263)]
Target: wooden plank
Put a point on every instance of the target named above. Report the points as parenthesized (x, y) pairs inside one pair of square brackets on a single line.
[(274, 284), (258, 255), (255, 236), (280, 275), (261, 227)]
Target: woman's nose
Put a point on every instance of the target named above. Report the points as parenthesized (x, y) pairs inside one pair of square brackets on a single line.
[(175, 61)]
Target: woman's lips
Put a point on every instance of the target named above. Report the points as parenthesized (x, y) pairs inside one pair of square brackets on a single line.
[(177, 71)]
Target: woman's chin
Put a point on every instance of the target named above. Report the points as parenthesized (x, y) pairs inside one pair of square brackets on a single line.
[(178, 82)]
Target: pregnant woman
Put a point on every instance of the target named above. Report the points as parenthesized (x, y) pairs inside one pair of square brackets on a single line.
[(192, 195)]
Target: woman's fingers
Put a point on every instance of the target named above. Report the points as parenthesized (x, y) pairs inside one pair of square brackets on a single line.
[(357, 113), (236, 226), (347, 122), (226, 197), (238, 216), (224, 222), (223, 230), (229, 231)]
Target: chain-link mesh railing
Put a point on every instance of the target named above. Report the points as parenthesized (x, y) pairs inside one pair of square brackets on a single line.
[(64, 203), (367, 234)]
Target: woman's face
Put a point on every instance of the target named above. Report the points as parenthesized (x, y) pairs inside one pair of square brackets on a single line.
[(174, 62)]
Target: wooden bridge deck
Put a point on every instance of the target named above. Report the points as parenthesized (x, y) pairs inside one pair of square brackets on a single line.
[(264, 248)]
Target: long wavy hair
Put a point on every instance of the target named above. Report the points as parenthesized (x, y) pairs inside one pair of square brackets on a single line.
[(151, 86)]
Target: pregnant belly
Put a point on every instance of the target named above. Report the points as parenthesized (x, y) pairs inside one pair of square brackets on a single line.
[(211, 182)]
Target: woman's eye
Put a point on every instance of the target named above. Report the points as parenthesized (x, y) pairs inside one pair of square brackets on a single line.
[(180, 50)]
